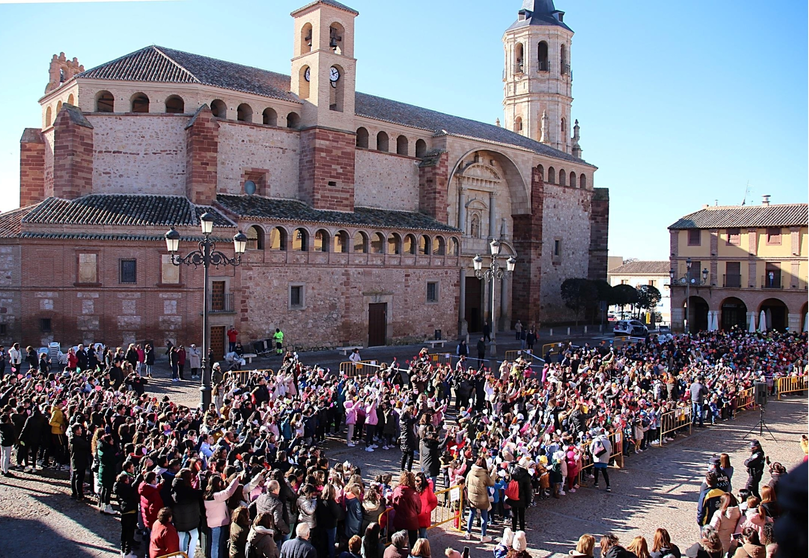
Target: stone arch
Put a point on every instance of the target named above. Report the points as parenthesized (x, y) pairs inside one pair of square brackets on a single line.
[(733, 314), (542, 56), (562, 178), (518, 124), (382, 142), (300, 240), (360, 243), (697, 314), (394, 244), (401, 145), (306, 39), (409, 245), (71, 100), (48, 117), (541, 170), (105, 102), (293, 120), (421, 148), (572, 179), (583, 181), (776, 314), (439, 246), (336, 33), (322, 241), (519, 58), (139, 102), (278, 238), (518, 186), (425, 245), (255, 238), (269, 117), (362, 137), (341, 242), (377, 243), (244, 113), (551, 175), (175, 104), (219, 109), (454, 247), (337, 91)]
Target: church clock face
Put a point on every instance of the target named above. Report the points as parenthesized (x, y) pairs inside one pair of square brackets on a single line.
[(334, 76), (307, 75)]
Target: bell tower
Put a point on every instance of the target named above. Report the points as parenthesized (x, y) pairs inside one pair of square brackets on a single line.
[(324, 68), (537, 80)]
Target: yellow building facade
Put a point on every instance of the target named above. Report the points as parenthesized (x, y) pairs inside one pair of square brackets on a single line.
[(742, 266)]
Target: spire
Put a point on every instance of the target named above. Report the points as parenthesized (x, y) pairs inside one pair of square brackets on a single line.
[(539, 6), (576, 147), (544, 137), (540, 12)]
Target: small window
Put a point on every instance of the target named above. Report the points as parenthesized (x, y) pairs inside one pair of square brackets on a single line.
[(362, 138), (45, 325), (734, 237), (88, 268), (300, 240), (293, 120), (244, 113), (432, 291), (551, 175), (322, 240), (401, 145), (424, 245), (377, 243), (541, 172), (583, 182), (169, 273), (129, 271), (382, 142), (557, 248), (409, 246), (439, 246), (296, 294), (360, 243), (394, 245), (562, 180), (453, 247), (341, 242), (48, 117), (421, 148), (105, 102), (175, 105), (774, 236), (694, 237), (140, 103), (269, 117), (278, 239), (255, 238)]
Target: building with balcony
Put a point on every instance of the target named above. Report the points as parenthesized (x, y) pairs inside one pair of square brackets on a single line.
[(742, 266)]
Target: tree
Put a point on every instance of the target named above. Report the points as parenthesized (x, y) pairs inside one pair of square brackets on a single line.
[(625, 295), (579, 294), (648, 299)]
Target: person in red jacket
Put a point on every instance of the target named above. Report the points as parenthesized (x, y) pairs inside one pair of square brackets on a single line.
[(407, 507), (429, 502), (150, 500), (164, 539)]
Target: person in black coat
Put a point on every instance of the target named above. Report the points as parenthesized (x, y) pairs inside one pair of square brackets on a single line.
[(128, 499), (481, 346), (35, 430), (520, 474), (187, 506), (430, 451), (79, 460), (407, 438), (755, 468)]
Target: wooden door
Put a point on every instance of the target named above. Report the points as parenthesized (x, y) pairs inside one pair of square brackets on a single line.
[(473, 312), (217, 296), (218, 342), (377, 324)]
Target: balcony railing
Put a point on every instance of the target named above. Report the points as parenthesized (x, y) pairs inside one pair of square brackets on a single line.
[(733, 281), (774, 282), (222, 303)]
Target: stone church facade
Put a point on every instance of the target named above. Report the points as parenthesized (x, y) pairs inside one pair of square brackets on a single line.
[(363, 213)]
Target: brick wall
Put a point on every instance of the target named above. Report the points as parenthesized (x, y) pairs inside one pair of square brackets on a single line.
[(528, 234), (386, 180), (32, 167), (327, 168), (599, 234), (202, 149), (72, 154), (433, 176)]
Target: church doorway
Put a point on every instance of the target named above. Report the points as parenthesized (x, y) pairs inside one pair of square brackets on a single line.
[(377, 323), (473, 315)]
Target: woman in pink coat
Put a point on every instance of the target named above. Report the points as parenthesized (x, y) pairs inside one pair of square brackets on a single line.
[(150, 500), (371, 420), (351, 420)]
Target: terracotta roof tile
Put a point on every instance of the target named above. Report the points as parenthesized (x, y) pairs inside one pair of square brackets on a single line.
[(11, 222), (642, 268), (739, 216)]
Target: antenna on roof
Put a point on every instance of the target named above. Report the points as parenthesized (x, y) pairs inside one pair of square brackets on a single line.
[(746, 193)]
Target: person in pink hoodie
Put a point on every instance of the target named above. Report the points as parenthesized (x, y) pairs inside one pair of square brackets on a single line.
[(216, 511), (371, 420), (351, 420)]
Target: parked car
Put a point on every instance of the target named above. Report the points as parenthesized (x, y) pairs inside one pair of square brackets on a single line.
[(630, 327)]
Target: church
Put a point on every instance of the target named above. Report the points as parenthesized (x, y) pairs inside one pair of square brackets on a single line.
[(362, 214)]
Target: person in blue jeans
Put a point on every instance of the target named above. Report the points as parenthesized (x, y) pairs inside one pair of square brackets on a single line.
[(698, 393), (478, 482)]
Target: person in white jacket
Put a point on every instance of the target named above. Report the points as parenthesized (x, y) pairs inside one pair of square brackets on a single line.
[(601, 449)]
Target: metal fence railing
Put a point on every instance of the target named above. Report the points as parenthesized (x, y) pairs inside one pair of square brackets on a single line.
[(674, 420), (450, 507), (790, 384), (243, 376)]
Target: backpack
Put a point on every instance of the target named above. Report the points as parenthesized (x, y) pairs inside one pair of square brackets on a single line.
[(513, 490)]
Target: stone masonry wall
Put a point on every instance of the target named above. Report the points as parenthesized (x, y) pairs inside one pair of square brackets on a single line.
[(386, 180), (433, 180), (139, 154), (72, 154), (202, 153), (32, 167), (599, 234), (528, 236), (327, 169)]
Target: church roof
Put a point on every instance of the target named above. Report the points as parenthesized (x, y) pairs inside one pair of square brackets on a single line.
[(738, 216), (121, 210), (11, 221), (274, 209), (540, 12), (642, 268), (328, 3), (164, 65)]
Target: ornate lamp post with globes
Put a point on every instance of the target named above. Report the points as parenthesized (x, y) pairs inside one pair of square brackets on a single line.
[(491, 275), (687, 280), (206, 256)]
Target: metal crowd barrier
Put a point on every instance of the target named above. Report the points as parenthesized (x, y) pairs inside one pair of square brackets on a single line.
[(243, 376), (790, 384), (745, 399), (616, 455), (450, 509), (355, 368), (674, 420)]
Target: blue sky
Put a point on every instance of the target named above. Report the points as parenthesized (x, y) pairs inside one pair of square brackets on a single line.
[(681, 103)]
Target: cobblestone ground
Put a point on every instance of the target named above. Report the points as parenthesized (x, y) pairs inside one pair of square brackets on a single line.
[(656, 488)]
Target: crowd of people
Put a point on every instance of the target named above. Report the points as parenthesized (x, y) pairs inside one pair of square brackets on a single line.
[(249, 475)]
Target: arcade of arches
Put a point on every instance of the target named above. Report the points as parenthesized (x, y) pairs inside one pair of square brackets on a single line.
[(770, 313)]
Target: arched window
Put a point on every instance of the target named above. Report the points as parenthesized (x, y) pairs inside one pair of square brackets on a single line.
[(421, 148), (255, 238), (562, 178), (304, 86), (362, 137), (583, 181), (105, 102), (564, 127), (48, 116), (541, 172), (382, 142), (409, 245), (341, 242), (551, 175), (564, 62), (293, 120), (58, 108), (572, 179), (244, 113), (474, 226), (424, 245), (322, 239), (306, 38), (542, 51), (140, 103), (269, 117), (518, 124), (518, 59), (401, 145), (439, 246), (377, 243), (71, 100), (300, 240), (278, 239), (336, 32), (394, 244), (219, 108), (175, 105), (360, 243), (454, 246), (337, 90)]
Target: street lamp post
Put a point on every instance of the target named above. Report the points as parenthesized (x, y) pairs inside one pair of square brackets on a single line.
[(490, 275), (687, 280), (206, 256)]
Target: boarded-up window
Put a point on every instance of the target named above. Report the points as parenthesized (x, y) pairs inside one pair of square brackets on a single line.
[(88, 268), (169, 273)]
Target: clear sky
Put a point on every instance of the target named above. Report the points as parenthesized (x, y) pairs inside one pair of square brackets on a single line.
[(681, 103)]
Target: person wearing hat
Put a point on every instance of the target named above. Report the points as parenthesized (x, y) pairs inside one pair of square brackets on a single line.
[(755, 468), (194, 356)]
